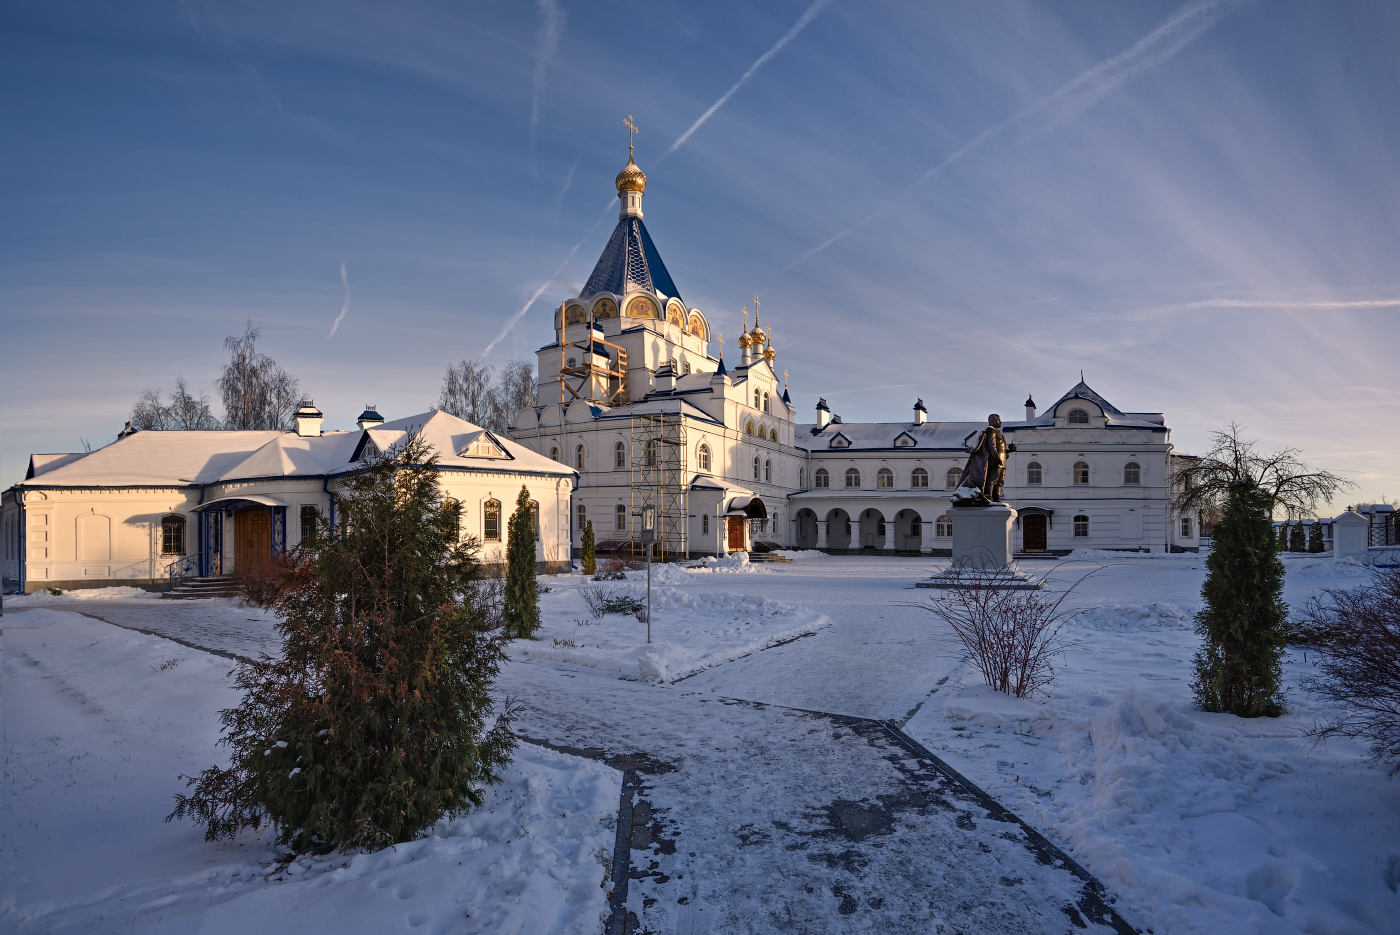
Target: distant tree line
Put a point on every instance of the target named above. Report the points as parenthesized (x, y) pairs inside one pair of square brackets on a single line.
[(255, 391), (470, 392)]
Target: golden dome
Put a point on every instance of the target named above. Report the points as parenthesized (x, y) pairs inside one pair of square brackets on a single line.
[(769, 354), (631, 178), (744, 340), (757, 336)]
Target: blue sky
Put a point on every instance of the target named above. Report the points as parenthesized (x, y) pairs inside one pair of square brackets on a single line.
[(1195, 203)]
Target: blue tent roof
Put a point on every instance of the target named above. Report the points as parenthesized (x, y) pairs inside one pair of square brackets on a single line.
[(630, 261)]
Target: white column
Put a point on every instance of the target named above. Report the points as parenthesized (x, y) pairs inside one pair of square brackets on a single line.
[(890, 525), (926, 530), (857, 528), (821, 534)]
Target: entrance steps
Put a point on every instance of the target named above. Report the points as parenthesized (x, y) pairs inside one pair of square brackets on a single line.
[(200, 588)]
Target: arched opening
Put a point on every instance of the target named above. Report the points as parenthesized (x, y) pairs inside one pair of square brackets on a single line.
[(873, 530), (838, 529), (805, 529), (772, 435)]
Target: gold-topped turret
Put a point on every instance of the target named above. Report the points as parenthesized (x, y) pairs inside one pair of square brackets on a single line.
[(631, 178)]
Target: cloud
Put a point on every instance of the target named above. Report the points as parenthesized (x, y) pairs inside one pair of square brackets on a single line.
[(345, 307), (551, 28), (1175, 33), (787, 37)]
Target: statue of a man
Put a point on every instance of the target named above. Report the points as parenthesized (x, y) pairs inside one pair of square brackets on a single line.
[(980, 484)]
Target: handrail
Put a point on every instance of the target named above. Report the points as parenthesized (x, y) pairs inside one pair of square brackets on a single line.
[(181, 568)]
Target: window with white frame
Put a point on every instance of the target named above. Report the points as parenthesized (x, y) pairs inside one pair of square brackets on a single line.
[(554, 454), (620, 511), (766, 403), (821, 478), (1186, 527), (1132, 473), (1078, 417), (768, 470), (755, 467), (619, 456), (491, 521), (579, 457), (757, 398), (919, 478), (702, 457), (951, 479), (852, 477), (943, 527), (1081, 526), (582, 518), (884, 478), (1081, 472), (1034, 473), (801, 478), (705, 522)]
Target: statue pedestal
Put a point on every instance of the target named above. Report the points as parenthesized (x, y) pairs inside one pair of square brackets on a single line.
[(982, 551)]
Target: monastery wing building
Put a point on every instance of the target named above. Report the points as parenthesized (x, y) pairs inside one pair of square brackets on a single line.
[(634, 396)]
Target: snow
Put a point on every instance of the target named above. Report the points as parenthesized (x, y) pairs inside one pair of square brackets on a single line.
[(691, 630), (800, 555), (1194, 822), (100, 724), (44, 596), (734, 563)]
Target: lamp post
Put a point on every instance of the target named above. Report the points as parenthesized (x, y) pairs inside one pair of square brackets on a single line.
[(648, 537)]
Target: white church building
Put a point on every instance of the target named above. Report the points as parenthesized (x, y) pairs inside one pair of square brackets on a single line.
[(160, 505), (634, 396)]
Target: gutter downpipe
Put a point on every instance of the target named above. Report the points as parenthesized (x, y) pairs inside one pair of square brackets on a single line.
[(326, 488)]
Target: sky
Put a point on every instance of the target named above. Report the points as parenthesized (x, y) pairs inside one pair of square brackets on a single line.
[(1196, 204)]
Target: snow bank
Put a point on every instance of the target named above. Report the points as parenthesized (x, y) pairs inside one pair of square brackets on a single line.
[(43, 596), (1124, 617), (801, 555), (1307, 566), (986, 707), (1098, 555), (691, 631), (734, 563), (102, 722)]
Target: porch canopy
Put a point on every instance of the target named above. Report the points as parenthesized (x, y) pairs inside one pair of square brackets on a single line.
[(752, 507), (238, 503)]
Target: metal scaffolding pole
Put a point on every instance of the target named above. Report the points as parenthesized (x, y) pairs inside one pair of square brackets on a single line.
[(659, 479)]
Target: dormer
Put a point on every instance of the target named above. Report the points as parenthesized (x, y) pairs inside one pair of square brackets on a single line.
[(1077, 412), (839, 441), (905, 440), (483, 446)]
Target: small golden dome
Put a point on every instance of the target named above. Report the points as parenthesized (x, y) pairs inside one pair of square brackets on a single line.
[(631, 178), (769, 354), (757, 336), (744, 340)]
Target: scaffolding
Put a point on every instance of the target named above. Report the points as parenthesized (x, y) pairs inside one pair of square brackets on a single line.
[(659, 478), (592, 373)]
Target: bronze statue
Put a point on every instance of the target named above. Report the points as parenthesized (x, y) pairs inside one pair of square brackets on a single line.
[(986, 468)]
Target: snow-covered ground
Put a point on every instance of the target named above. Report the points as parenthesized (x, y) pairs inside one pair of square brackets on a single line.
[(100, 722), (1195, 822)]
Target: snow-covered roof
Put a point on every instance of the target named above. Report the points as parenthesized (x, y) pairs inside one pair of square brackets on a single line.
[(156, 459), (629, 262), (865, 436), (42, 464), (656, 404)]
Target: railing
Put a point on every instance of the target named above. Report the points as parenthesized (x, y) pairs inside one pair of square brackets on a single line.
[(180, 569), (1383, 532)]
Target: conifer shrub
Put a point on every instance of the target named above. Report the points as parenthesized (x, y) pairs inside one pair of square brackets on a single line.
[(522, 607), (376, 720), (590, 550), (1315, 541), (1296, 538), (1243, 625), (1283, 536)]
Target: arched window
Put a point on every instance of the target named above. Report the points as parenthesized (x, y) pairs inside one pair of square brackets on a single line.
[(1081, 472), (916, 528), (579, 457), (884, 478), (765, 403), (554, 454), (172, 534), (1033, 472), (950, 480), (801, 478), (653, 452), (582, 518), (943, 528), (619, 456), (768, 470), (822, 478), (748, 428), (705, 522), (1132, 473), (852, 477), (702, 457), (535, 518), (491, 521), (685, 367), (310, 520), (453, 509), (919, 478), (1081, 526), (1078, 417), (756, 399), (621, 516), (755, 467)]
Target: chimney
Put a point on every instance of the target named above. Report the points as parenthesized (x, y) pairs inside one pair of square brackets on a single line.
[(370, 418), (823, 414), (308, 419), (920, 413), (1030, 409), (665, 377), (128, 430)]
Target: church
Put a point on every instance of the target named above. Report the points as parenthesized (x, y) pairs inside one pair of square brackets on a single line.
[(635, 396)]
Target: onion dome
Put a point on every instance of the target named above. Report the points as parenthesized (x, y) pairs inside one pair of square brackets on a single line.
[(745, 340), (1030, 403), (769, 354), (756, 336), (631, 178)]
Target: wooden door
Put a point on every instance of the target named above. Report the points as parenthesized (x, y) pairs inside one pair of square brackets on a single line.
[(1033, 532), (736, 533), (252, 539)]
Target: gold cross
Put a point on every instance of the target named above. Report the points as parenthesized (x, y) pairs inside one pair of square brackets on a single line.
[(631, 128), (784, 379), (755, 311), (745, 310)]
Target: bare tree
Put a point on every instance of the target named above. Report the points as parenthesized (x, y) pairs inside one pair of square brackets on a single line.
[(257, 393), (1287, 484), (185, 411), (514, 391), (149, 414), (466, 391)]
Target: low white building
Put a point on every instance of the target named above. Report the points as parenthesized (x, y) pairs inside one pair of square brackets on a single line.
[(155, 504)]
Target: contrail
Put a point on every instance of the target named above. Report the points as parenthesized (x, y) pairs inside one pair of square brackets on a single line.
[(788, 36), (1174, 34), (1269, 303), (345, 284), (505, 329), (550, 30)]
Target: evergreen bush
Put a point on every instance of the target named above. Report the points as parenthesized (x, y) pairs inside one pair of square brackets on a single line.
[(1296, 538), (1315, 541), (1283, 536), (522, 608), (373, 724), (590, 550), (1243, 623)]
